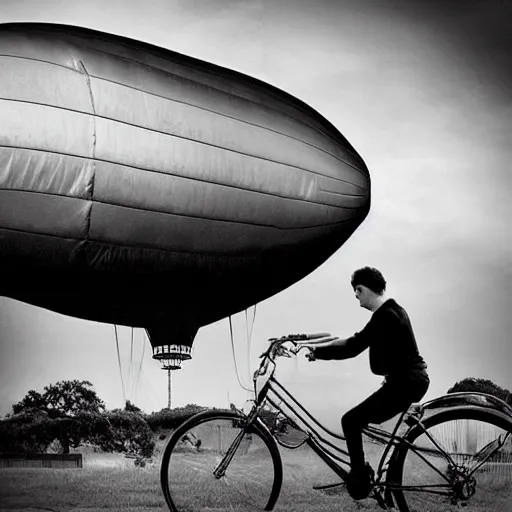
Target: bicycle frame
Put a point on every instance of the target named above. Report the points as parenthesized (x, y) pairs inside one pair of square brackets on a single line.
[(274, 393)]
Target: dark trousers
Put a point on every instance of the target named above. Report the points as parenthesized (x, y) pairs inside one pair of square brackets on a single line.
[(391, 398)]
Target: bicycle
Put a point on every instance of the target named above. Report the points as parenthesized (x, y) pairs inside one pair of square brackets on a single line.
[(455, 450)]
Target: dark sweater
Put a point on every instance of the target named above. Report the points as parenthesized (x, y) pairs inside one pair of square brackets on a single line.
[(393, 348)]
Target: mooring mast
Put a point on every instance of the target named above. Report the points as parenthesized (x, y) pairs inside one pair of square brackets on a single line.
[(171, 357)]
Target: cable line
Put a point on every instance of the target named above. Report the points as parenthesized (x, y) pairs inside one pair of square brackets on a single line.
[(119, 361), (234, 355)]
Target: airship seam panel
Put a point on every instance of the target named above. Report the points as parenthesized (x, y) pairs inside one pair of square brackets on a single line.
[(277, 98), (212, 72), (79, 68), (213, 132), (121, 225), (94, 135), (24, 125), (241, 153), (161, 151), (350, 214), (208, 221), (262, 192), (280, 98), (224, 250), (78, 244), (46, 172), (171, 194), (83, 72), (299, 121), (41, 213), (4, 220), (294, 216), (91, 138), (41, 60), (31, 81)]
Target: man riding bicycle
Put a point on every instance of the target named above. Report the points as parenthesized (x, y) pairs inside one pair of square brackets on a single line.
[(393, 354)]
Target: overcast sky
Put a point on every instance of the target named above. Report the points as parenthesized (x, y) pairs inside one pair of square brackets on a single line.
[(422, 89)]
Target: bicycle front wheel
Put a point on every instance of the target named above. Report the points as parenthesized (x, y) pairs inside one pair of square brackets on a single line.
[(462, 457), (251, 481)]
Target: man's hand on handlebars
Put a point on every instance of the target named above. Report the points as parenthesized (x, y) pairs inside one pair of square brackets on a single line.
[(310, 356), (281, 346)]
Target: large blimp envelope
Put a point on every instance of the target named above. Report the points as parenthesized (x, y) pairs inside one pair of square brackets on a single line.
[(142, 187)]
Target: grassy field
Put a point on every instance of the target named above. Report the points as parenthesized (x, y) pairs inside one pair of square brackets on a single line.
[(112, 483)]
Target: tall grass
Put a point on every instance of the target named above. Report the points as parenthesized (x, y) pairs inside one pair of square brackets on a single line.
[(113, 484), (88, 489), (109, 483)]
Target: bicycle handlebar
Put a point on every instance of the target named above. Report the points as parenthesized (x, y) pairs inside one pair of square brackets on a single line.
[(301, 337), (299, 341)]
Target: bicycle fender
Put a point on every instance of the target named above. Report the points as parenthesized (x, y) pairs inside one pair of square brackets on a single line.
[(469, 399)]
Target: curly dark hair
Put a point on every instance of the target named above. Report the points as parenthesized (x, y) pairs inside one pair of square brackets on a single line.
[(369, 277)]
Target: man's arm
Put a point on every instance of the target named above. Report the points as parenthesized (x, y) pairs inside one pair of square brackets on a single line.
[(340, 348)]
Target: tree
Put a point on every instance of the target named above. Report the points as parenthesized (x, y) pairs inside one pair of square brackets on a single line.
[(25, 433), (169, 419), (84, 427), (72, 411), (63, 399), (130, 407), (472, 384), (128, 433), (32, 401)]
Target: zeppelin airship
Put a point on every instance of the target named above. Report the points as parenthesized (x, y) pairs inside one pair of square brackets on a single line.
[(143, 187)]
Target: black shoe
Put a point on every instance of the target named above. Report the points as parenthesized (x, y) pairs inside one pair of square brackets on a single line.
[(360, 482)]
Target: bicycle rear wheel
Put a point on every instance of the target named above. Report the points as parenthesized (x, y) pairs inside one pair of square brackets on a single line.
[(462, 458), (252, 480)]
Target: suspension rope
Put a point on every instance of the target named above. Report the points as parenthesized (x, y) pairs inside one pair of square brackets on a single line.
[(141, 361), (130, 369), (152, 389), (234, 355), (119, 361), (249, 337)]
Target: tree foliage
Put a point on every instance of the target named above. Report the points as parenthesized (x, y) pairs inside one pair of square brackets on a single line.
[(63, 399), (34, 431), (128, 433), (72, 413), (84, 427), (169, 419), (131, 407), (25, 433), (32, 401), (472, 384)]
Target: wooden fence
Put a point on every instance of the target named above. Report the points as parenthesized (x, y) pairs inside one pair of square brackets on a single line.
[(43, 460)]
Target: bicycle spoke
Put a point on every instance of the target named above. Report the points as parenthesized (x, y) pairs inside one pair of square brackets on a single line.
[(227, 470), (417, 450)]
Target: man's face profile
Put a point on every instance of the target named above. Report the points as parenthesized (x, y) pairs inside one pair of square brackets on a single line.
[(363, 295)]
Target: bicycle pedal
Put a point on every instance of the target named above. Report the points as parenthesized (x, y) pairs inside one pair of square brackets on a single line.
[(322, 487)]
